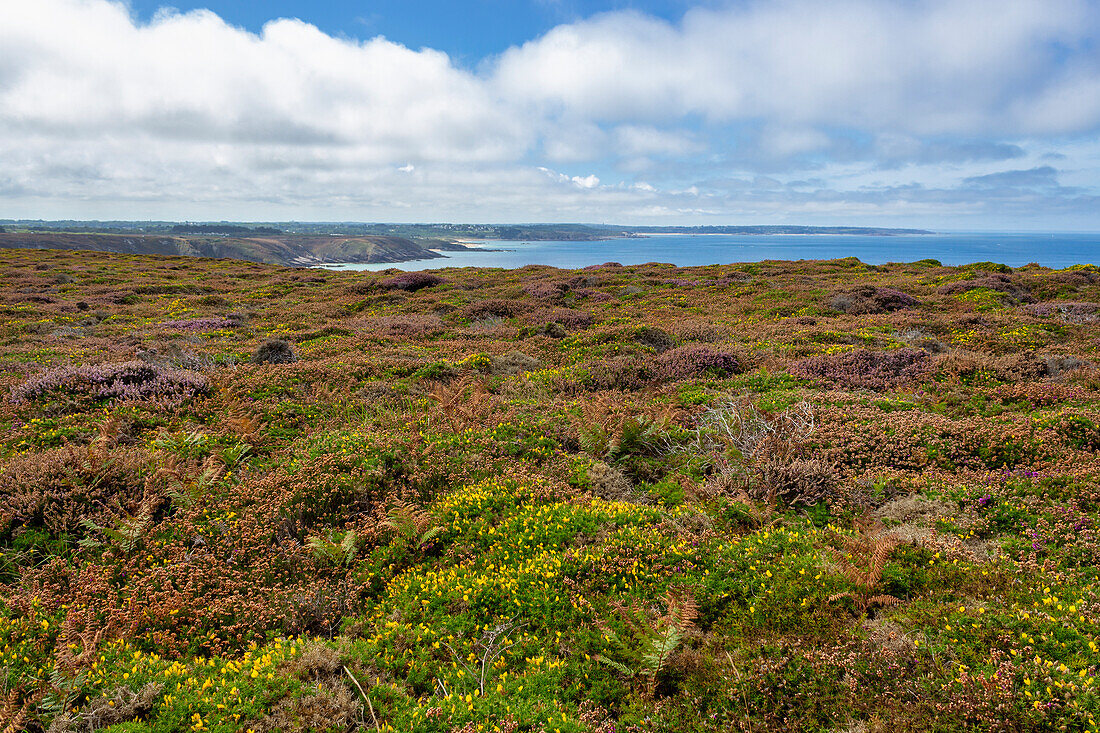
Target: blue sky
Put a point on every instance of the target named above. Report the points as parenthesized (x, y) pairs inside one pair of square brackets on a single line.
[(945, 114), (468, 31)]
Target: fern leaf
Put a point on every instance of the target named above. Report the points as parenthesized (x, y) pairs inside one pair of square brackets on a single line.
[(90, 542), (682, 609), (622, 668), (659, 648), (323, 550), (430, 535), (349, 546)]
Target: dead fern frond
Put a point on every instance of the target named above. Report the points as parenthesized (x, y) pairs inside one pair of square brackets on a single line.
[(861, 561), (13, 715), (109, 432), (70, 639), (242, 422), (682, 609), (185, 488), (462, 403), (884, 600)]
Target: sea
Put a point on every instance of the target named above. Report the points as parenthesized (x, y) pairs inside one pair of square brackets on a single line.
[(1055, 250)]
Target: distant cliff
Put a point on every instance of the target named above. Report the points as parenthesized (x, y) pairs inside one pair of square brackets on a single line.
[(275, 249)]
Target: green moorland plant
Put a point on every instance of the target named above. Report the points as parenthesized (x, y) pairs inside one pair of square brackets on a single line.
[(814, 496)]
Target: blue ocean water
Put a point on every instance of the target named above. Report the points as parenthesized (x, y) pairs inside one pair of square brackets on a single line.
[(957, 248)]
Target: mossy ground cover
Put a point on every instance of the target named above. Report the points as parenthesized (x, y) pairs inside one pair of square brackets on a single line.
[(816, 496)]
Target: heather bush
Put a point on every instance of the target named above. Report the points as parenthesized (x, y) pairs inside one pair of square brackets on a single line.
[(871, 299), (628, 373), (412, 281), (120, 381), (697, 331), (972, 368), (689, 362), (571, 318), (546, 289), (1077, 430), (60, 490), (1037, 394), (863, 369), (490, 308), (1069, 312), (408, 326), (1076, 277)]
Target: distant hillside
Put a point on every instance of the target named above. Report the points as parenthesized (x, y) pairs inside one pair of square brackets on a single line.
[(276, 250), (233, 229)]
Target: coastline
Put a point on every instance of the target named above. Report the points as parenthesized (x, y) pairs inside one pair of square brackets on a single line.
[(697, 250)]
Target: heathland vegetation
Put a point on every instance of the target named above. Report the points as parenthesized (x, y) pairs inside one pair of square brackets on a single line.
[(774, 496)]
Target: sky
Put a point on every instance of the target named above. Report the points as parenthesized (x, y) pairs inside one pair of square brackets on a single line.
[(941, 114)]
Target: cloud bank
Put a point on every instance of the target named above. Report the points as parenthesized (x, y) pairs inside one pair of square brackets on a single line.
[(934, 112)]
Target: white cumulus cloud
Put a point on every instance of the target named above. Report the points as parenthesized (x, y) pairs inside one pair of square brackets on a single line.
[(926, 66), (751, 109)]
